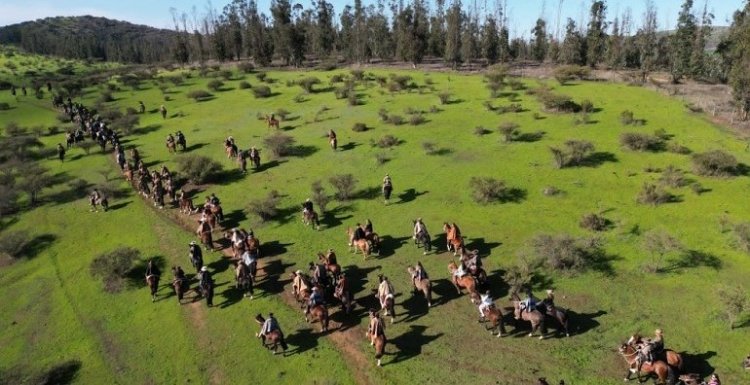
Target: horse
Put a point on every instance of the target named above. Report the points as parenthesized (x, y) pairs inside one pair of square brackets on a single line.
[(273, 339), (256, 160), (243, 278), (387, 190), (390, 306), (422, 239), (180, 285), (380, 342), (467, 282), (454, 240), (343, 294), (272, 122), (231, 150), (331, 266), (423, 285), (311, 218), (556, 313), (318, 313), (535, 317), (362, 245), (152, 280), (333, 142), (301, 287), (494, 315), (207, 290), (671, 357), (661, 370), (171, 146), (182, 142), (207, 239)]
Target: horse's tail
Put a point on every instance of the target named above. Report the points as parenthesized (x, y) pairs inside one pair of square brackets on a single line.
[(380, 347), (670, 375), (283, 344)]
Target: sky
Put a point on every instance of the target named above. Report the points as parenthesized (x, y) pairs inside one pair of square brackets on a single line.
[(522, 14)]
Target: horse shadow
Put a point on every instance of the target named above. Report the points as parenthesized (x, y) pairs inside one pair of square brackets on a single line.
[(220, 265), (445, 289), (233, 219), (698, 363), (232, 295), (691, 259), (410, 344), (415, 306), (529, 137), (63, 373), (119, 205), (484, 247), (268, 165), (598, 158), (302, 340), (272, 282), (331, 218), (349, 146), (583, 322), (38, 244), (195, 146), (303, 151), (146, 129), (410, 195), (368, 193), (388, 245)]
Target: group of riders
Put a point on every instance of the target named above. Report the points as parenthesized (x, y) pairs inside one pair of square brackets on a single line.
[(242, 156)]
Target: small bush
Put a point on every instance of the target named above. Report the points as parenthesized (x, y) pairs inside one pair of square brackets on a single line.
[(358, 75), (677, 148), (387, 141), (308, 83), (697, 188), (508, 130), (282, 114), (593, 222), (574, 153), (658, 244), (265, 209), (344, 185), (537, 116), (338, 78), (245, 67), (445, 97), (215, 85), (626, 117), (434, 109), (4, 106), (199, 95), (383, 115), (653, 195), (343, 92), (319, 196), (479, 131), (429, 148), (558, 102), (565, 253), (279, 144), (715, 163), (416, 119), (381, 159), (198, 169), (734, 301), (300, 99), (551, 191), (262, 76), (515, 85), (14, 244), (564, 74), (488, 190), (244, 85), (352, 99), (113, 267), (106, 97), (587, 106), (395, 120), (521, 275), (359, 127), (262, 91), (640, 142), (673, 177)]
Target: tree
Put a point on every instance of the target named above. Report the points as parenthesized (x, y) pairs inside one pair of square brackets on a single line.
[(490, 41), (412, 30), (735, 302), (359, 36), (681, 43), (470, 48), (573, 46), (647, 41), (539, 43), (739, 57), (381, 39), (659, 244), (257, 36), (436, 41), (324, 33), (596, 35), (454, 19), (703, 33), (615, 46), (505, 53), (35, 179)]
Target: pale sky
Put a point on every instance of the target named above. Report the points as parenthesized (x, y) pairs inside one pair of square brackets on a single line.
[(521, 13)]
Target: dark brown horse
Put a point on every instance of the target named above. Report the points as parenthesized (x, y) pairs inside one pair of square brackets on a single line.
[(171, 146), (331, 266), (466, 282), (423, 285), (271, 340), (180, 284), (672, 358), (311, 218), (455, 241), (343, 294), (244, 279), (152, 280), (318, 313), (272, 122), (556, 313), (535, 317), (663, 373), (494, 316), (380, 342)]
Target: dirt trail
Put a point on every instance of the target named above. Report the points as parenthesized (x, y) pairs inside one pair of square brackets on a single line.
[(346, 341)]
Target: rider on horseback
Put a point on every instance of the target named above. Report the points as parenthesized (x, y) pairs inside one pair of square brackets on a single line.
[(419, 228), (196, 255), (316, 298), (529, 304), (94, 199), (385, 289), (460, 271), (368, 227), (376, 327), (269, 326), (419, 274), (485, 303), (307, 206), (152, 269), (650, 347), (331, 257), (204, 279), (213, 199), (359, 233)]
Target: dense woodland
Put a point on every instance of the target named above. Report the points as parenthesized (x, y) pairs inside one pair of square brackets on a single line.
[(411, 32)]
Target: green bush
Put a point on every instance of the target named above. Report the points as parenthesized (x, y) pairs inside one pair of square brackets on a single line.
[(244, 85), (558, 102), (4, 106), (715, 163), (641, 142), (564, 74), (508, 130), (395, 120), (387, 141), (113, 267), (14, 244), (261, 91), (199, 95), (279, 144), (198, 169), (573, 154), (653, 195), (215, 85), (489, 190), (416, 119), (267, 208), (359, 127), (673, 177), (344, 185), (593, 222), (445, 97), (565, 253), (308, 83)]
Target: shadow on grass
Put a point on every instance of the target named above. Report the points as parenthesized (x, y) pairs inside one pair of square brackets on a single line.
[(273, 280), (368, 193), (389, 244), (410, 195), (580, 323), (349, 146), (195, 146), (269, 165), (301, 341), (598, 158), (529, 137), (233, 218), (410, 344), (693, 259), (38, 244), (336, 217), (698, 363)]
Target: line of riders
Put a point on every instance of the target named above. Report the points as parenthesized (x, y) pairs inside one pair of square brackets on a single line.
[(242, 156)]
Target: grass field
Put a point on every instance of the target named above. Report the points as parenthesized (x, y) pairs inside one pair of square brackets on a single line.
[(58, 308)]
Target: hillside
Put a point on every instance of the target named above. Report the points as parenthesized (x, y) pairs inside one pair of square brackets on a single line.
[(88, 37)]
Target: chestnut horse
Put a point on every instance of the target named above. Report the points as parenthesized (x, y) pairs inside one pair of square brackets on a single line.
[(380, 342), (311, 218), (171, 146), (362, 245), (661, 370), (672, 358), (494, 316), (331, 265), (231, 150), (318, 313), (152, 281), (272, 340), (272, 122), (343, 294), (423, 285), (535, 317), (455, 241), (466, 282), (301, 288)]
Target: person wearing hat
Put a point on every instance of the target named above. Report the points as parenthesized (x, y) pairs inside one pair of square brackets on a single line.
[(376, 327), (359, 233), (196, 256), (307, 206), (419, 228), (485, 303), (316, 298), (385, 290), (206, 284), (714, 380), (651, 347), (368, 227), (387, 188), (152, 269), (141, 107), (270, 325), (331, 257), (60, 152), (419, 274)]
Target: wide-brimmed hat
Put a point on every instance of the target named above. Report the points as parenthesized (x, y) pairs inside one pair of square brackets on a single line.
[(192, 243), (298, 272), (204, 268)]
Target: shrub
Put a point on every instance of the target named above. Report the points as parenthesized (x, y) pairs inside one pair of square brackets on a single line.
[(261, 76), (106, 96), (520, 275), (593, 222), (416, 119), (479, 131), (445, 97), (87, 145), (673, 177), (396, 120), (308, 83), (564, 74), (245, 67), (358, 75), (198, 169), (574, 154), (14, 244), (299, 99), (735, 302), (279, 144), (429, 148), (215, 85), (344, 185), (488, 190), (4, 106), (402, 81), (338, 78), (359, 127), (537, 116), (244, 85), (677, 148), (741, 233), (516, 85), (563, 252), (352, 99), (587, 106), (640, 142), (697, 188), (715, 163), (653, 195), (387, 141), (508, 130), (557, 102), (659, 244), (63, 117), (626, 117), (282, 113), (319, 196), (262, 91), (199, 95), (113, 267), (551, 191), (381, 159), (126, 123), (266, 209)]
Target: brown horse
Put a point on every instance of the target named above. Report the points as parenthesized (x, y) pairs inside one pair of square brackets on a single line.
[(380, 342), (672, 358), (311, 218), (171, 146), (230, 150), (271, 340), (455, 241), (186, 205), (331, 266), (272, 122), (301, 288), (318, 313), (535, 317), (494, 316), (180, 285), (362, 245), (466, 282), (423, 285), (343, 294), (333, 142), (244, 279), (206, 239), (152, 281), (661, 370)]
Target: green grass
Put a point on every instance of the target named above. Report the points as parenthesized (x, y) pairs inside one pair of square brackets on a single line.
[(446, 345)]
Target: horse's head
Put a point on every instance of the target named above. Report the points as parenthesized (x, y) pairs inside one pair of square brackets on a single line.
[(624, 349), (259, 318)]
